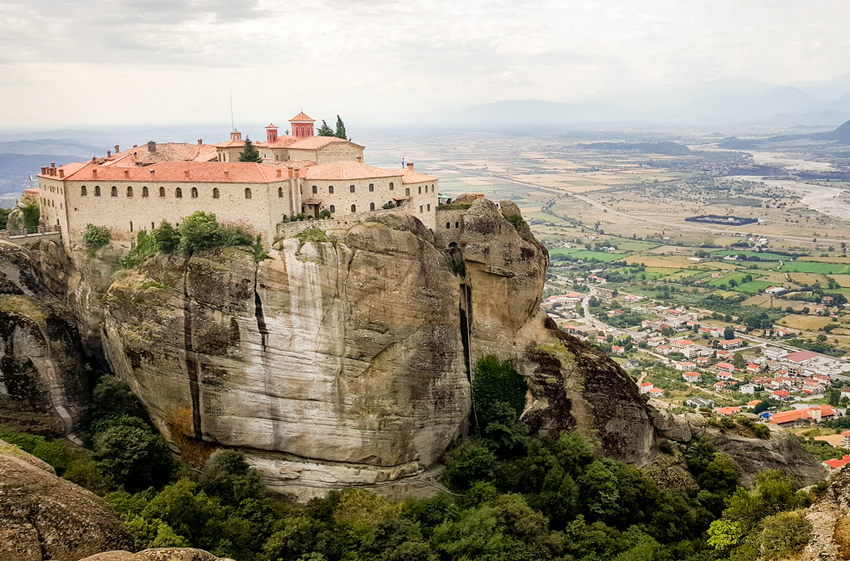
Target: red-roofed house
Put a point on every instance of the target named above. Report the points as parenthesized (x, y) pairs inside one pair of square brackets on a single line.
[(727, 344), (725, 367), (719, 386), (656, 392), (723, 375), (837, 463), (685, 366), (845, 438), (728, 411), (692, 377), (752, 404), (645, 387), (811, 415), (781, 395), (618, 350)]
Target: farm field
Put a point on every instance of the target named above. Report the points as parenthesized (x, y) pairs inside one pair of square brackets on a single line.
[(588, 255), (813, 267), (805, 323)]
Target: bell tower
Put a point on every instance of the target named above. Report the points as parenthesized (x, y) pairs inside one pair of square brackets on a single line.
[(302, 126), (271, 133)]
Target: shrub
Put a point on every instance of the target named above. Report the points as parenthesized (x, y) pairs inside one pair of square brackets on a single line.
[(521, 226), (313, 235), (32, 215), (496, 381), (133, 455), (389, 205), (325, 214), (784, 535), (761, 431), (95, 237), (145, 247), (199, 231), (112, 397), (167, 237), (228, 476)]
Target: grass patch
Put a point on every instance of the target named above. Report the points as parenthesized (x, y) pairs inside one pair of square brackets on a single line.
[(588, 255), (313, 235), (754, 287), (763, 255), (811, 267)]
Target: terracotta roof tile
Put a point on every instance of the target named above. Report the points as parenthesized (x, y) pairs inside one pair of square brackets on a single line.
[(201, 172), (301, 118), (347, 170), (415, 176), (318, 142)]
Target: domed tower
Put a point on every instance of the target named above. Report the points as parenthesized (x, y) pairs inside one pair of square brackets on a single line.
[(302, 126), (271, 133)]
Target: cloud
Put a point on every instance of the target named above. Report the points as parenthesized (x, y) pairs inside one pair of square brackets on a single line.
[(389, 55)]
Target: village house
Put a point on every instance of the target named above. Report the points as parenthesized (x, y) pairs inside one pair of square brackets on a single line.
[(656, 392), (645, 387), (845, 438), (719, 386), (730, 344), (845, 392), (700, 403), (618, 350), (711, 331), (728, 411), (664, 349), (748, 389), (781, 395), (836, 463), (692, 377), (724, 367), (685, 366), (798, 417), (751, 404)]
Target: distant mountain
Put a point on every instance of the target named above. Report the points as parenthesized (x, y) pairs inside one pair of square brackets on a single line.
[(51, 146), (841, 135), (15, 169)]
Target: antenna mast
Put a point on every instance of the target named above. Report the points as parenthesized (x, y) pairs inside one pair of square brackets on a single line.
[(231, 111)]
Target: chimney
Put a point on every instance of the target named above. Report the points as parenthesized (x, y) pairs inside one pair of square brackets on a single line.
[(109, 153), (94, 173), (53, 164), (44, 170), (126, 174), (117, 149), (278, 172), (200, 141), (61, 173), (359, 159), (227, 174), (297, 173), (135, 146), (93, 160), (153, 174), (151, 146), (409, 166), (291, 173), (185, 174)]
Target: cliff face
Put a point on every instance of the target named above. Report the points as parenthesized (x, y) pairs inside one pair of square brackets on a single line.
[(347, 362), (43, 385)]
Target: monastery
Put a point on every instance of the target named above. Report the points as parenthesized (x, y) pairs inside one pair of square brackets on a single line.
[(137, 189)]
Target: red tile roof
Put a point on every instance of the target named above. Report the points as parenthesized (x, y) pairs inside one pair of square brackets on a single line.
[(800, 356), (202, 172), (414, 176), (302, 118), (165, 152), (345, 170), (319, 142), (838, 463), (798, 414)]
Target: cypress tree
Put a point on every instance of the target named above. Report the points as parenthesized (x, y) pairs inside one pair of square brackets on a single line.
[(340, 128), (249, 154), (325, 130)]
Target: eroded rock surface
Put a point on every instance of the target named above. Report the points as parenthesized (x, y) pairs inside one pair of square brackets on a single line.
[(45, 517), (157, 554)]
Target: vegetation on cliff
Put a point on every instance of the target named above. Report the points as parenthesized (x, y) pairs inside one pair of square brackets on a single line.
[(516, 497), (199, 231)]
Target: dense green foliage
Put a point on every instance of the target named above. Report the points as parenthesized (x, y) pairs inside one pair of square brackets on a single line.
[(249, 153), (4, 217), (522, 227), (32, 216), (340, 128), (146, 246), (95, 237), (498, 397), (325, 130), (313, 235)]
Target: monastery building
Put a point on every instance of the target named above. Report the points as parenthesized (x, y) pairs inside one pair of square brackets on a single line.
[(137, 189)]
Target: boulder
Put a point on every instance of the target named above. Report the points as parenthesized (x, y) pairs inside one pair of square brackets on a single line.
[(45, 517), (158, 554)]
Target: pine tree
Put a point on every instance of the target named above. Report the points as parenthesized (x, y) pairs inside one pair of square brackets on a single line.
[(340, 128), (325, 130), (249, 154)]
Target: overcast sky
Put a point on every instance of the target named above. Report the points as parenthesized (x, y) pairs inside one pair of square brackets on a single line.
[(89, 62)]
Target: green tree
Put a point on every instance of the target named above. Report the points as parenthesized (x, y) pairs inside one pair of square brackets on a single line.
[(32, 215), (325, 130), (728, 333), (4, 217), (95, 237), (167, 237), (199, 231), (112, 397), (249, 153), (133, 455), (784, 535), (228, 476), (470, 463), (495, 381), (340, 128)]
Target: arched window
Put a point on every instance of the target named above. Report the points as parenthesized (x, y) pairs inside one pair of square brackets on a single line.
[(420, 208), (353, 208), (114, 191), (331, 189), (280, 192), (420, 189), (247, 192), (448, 225), (162, 191), (332, 209), (97, 190), (145, 192), (131, 225), (315, 189), (178, 193), (215, 192), (351, 188), (407, 192), (83, 191), (372, 206), (426, 188), (457, 224), (391, 186), (194, 192), (130, 194), (371, 187)]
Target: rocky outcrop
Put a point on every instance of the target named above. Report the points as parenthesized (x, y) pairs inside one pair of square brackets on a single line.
[(44, 517), (44, 386), (830, 519), (347, 362), (157, 554)]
